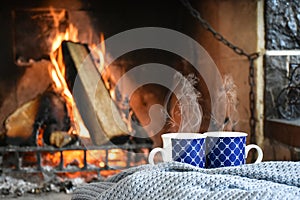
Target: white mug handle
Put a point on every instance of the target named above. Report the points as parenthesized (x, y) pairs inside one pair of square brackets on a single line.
[(152, 154), (259, 151)]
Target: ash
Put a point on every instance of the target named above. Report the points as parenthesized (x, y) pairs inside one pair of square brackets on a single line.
[(14, 186)]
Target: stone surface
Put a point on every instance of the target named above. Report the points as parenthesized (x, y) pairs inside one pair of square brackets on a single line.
[(282, 24), (282, 33)]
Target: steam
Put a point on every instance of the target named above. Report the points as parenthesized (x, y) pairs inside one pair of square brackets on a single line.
[(231, 119), (188, 108), (186, 104), (231, 104)]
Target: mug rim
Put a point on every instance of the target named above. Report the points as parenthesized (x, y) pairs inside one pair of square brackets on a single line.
[(221, 134), (183, 135)]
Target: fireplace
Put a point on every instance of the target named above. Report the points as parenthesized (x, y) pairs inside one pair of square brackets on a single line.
[(28, 49), (45, 122), (42, 132)]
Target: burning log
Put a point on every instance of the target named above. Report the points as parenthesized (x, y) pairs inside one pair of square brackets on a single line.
[(47, 115), (93, 101), (53, 118)]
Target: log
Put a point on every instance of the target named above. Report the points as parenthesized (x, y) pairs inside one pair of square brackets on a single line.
[(20, 124), (52, 116), (26, 84), (62, 138), (47, 115), (92, 99)]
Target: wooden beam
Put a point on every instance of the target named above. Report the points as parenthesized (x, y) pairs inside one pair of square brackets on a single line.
[(284, 131), (93, 101), (259, 75)]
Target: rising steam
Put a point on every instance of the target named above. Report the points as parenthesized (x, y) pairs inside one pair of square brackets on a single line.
[(188, 108), (231, 104), (186, 104)]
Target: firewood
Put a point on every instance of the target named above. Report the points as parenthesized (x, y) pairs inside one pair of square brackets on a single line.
[(19, 125), (25, 85), (93, 101), (52, 116), (61, 138), (47, 115)]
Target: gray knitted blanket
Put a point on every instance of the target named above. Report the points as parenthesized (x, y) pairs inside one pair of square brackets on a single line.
[(174, 180)]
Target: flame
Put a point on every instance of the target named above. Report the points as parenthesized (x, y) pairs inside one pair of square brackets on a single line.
[(112, 94), (58, 70), (102, 53), (70, 34), (56, 79), (115, 157)]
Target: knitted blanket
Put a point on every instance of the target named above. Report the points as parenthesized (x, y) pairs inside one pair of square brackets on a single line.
[(174, 180)]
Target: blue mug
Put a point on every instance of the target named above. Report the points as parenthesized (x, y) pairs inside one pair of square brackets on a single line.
[(225, 149), (182, 147)]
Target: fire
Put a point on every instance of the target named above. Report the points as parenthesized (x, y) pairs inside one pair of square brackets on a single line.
[(56, 79), (101, 53), (58, 70), (98, 158), (71, 34)]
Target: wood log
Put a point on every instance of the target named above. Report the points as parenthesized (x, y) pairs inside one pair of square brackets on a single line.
[(52, 116), (20, 124), (92, 99), (62, 138), (26, 84), (46, 115)]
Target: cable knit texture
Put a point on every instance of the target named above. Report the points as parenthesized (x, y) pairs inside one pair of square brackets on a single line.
[(174, 180)]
